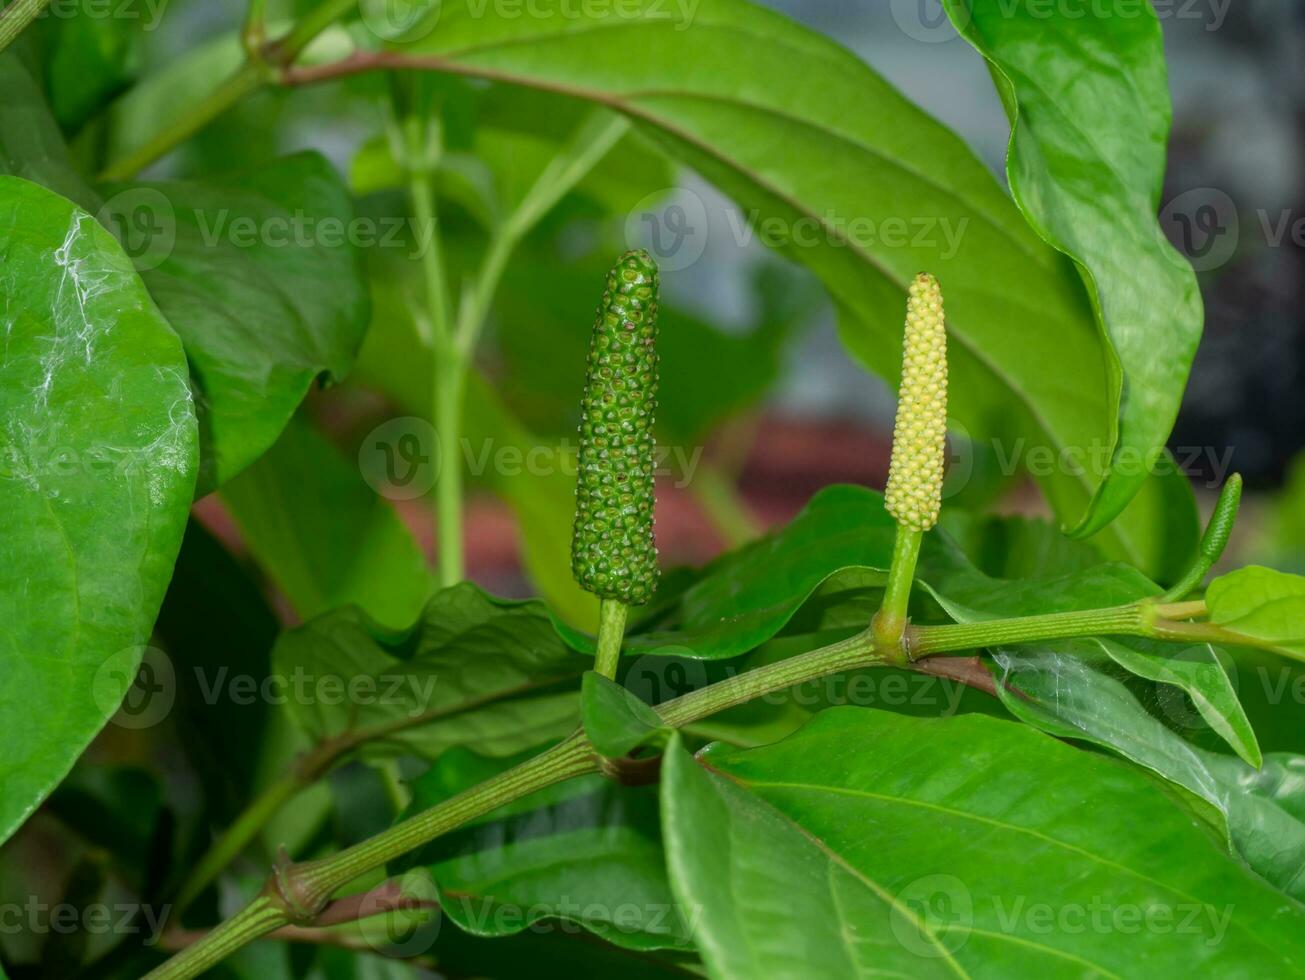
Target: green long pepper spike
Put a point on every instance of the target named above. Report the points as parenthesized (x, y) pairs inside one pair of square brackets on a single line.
[(915, 469), (613, 553)]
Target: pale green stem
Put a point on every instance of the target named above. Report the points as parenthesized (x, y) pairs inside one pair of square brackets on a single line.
[(889, 624), (246, 80), (261, 916), (16, 17), (305, 888), (1130, 620), (611, 632)]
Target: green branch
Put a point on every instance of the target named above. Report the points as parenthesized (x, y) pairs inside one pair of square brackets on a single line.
[(260, 68), (611, 632), (300, 891), (16, 17)]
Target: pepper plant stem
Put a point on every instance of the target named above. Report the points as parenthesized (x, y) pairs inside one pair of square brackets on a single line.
[(889, 626), (17, 16), (302, 890), (1130, 620), (261, 916), (611, 631), (247, 79), (308, 886)]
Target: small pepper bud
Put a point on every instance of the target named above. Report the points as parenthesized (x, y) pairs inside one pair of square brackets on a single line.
[(915, 469)]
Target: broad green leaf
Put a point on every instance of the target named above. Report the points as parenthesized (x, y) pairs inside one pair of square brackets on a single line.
[(554, 954), (218, 631), (1027, 359), (1264, 606), (994, 851), (324, 535), (91, 59), (1067, 690), (97, 468), (1017, 547), (260, 275), (1194, 668), (1088, 98), (747, 597), (31, 145), (257, 273), (586, 851), (473, 670), (615, 720), (1282, 543)]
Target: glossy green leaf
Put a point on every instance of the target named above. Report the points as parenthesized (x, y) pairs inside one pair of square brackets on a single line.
[(586, 851), (260, 275), (615, 720), (324, 535), (1194, 668), (871, 843), (1088, 98), (31, 145), (1265, 606), (97, 468), (1026, 358), (218, 631), (1068, 690), (90, 60), (473, 670), (844, 534)]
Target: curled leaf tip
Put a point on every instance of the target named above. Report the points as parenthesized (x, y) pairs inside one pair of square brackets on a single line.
[(915, 470)]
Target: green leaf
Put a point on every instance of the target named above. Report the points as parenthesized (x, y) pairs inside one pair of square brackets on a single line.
[(97, 468), (1194, 668), (473, 670), (615, 720), (586, 851), (1027, 359), (870, 843), (325, 537), (91, 58), (260, 275), (218, 631), (1067, 691), (1263, 606), (1090, 117), (31, 145)]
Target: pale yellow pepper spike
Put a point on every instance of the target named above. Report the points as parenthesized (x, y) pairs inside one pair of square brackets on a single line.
[(915, 470)]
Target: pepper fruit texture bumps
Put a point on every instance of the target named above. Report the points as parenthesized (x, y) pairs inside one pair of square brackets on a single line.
[(915, 470), (613, 553)]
